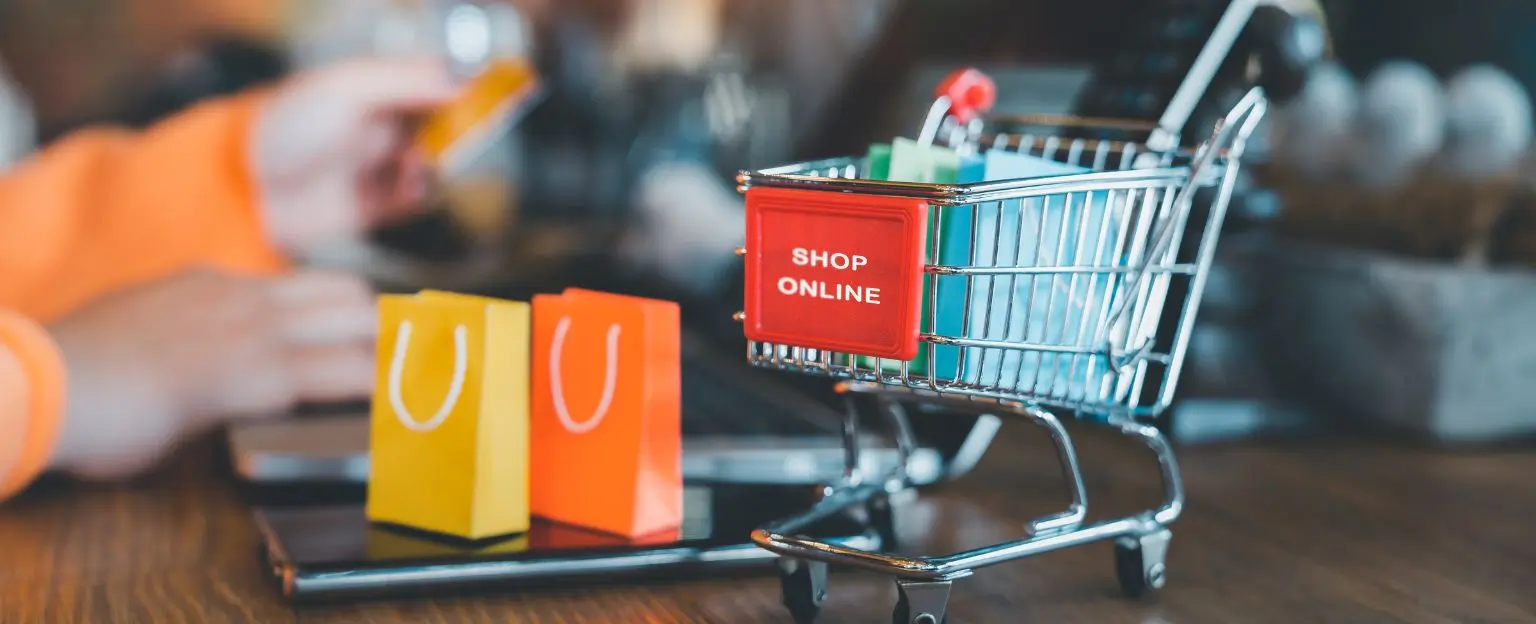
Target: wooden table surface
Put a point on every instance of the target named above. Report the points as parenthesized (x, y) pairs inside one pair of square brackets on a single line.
[(1325, 531)]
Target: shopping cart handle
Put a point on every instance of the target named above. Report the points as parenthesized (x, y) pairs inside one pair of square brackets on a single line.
[(971, 93)]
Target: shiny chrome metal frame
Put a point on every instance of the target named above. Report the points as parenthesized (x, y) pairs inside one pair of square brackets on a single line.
[(1152, 193), (1046, 534), (1157, 187)]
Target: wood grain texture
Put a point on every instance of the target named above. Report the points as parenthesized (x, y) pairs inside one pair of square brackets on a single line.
[(1327, 531)]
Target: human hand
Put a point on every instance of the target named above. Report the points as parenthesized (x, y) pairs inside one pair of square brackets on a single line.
[(152, 365), (332, 154)]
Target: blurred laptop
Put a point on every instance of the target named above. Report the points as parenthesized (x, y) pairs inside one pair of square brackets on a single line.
[(740, 425)]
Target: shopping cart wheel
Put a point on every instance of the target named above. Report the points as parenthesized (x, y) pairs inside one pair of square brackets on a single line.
[(1139, 562), (921, 602), (804, 588)]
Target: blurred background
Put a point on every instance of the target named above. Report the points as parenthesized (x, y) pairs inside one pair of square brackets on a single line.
[(1376, 275)]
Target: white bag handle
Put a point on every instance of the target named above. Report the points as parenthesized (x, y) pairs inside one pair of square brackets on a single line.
[(397, 366), (557, 387)]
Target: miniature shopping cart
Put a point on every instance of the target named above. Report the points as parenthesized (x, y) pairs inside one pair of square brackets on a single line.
[(1017, 296)]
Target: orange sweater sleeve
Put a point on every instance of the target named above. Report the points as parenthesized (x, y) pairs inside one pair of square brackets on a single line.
[(103, 210)]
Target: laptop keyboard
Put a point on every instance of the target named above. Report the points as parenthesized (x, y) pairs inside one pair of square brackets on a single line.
[(726, 397), (721, 397)]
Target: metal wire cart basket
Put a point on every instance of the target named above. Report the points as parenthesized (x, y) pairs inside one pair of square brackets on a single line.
[(1014, 296)]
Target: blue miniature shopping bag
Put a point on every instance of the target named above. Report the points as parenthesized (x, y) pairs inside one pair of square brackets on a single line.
[(1049, 231)]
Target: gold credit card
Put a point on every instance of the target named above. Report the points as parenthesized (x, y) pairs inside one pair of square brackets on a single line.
[(491, 102)]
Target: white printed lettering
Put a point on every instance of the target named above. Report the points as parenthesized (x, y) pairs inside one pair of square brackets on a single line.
[(817, 289), (827, 259), (787, 285)]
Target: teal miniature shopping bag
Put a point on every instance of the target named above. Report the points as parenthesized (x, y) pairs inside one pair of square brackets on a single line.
[(1059, 309)]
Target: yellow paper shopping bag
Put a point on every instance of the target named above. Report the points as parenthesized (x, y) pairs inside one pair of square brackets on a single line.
[(449, 434)]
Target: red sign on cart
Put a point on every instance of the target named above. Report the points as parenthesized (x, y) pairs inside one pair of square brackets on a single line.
[(835, 271)]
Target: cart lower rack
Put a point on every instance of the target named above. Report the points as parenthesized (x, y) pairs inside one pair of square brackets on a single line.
[(1012, 296)]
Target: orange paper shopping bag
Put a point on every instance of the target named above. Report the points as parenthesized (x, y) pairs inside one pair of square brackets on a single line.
[(449, 432), (607, 425)]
